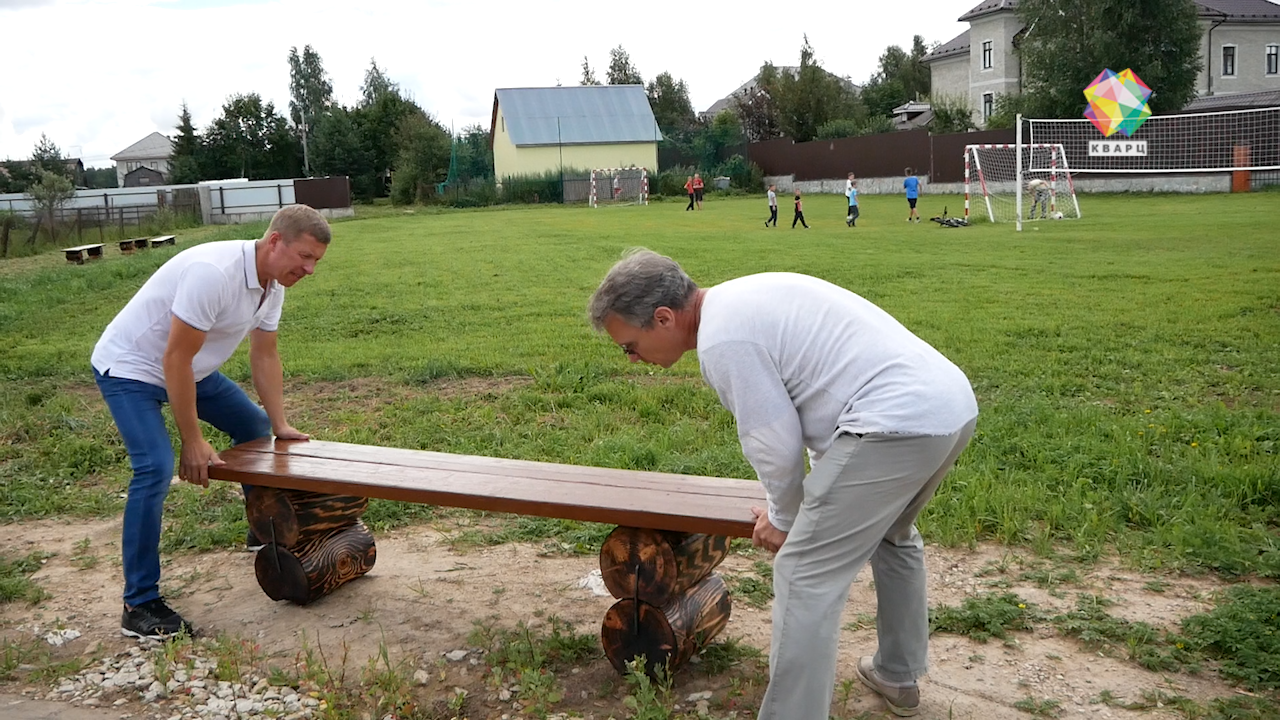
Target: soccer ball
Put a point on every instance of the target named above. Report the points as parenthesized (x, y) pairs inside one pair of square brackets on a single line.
[(1056, 216)]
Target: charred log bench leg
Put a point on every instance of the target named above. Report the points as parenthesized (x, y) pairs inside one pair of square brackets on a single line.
[(315, 543), (671, 603)]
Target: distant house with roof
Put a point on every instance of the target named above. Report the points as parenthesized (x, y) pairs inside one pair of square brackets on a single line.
[(151, 152), (1241, 43), (536, 130), (728, 101)]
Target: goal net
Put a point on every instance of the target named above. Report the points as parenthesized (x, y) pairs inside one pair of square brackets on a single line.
[(991, 182), (1215, 144), (619, 186)]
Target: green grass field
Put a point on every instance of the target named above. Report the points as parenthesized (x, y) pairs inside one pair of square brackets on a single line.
[(1127, 364)]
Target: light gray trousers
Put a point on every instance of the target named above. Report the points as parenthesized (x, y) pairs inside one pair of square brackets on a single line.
[(860, 503)]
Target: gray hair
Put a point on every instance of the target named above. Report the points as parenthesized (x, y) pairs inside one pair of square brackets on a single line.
[(294, 221), (637, 285)]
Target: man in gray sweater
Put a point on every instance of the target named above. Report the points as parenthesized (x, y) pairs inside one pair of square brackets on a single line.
[(806, 365)]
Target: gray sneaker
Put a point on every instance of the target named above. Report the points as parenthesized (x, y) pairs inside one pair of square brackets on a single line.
[(903, 702)]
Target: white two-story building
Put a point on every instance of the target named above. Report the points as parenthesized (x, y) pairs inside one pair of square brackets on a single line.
[(1240, 50)]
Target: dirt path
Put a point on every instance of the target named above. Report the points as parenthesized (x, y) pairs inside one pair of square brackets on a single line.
[(422, 599)]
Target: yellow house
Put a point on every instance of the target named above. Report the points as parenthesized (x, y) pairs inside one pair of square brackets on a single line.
[(536, 130)]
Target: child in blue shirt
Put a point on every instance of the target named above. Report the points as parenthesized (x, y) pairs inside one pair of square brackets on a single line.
[(851, 192), (912, 184)]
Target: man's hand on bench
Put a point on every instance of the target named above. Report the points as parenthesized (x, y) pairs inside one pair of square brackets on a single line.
[(766, 535), (196, 459)]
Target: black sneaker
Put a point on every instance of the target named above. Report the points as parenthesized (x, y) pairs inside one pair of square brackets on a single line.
[(252, 542), (153, 620)]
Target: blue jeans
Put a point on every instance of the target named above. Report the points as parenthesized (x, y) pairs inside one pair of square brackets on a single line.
[(135, 406)]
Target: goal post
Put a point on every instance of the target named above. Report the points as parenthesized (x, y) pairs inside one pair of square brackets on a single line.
[(1009, 178), (619, 186)]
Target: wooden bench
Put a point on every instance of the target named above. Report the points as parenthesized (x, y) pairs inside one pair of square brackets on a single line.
[(673, 530), (77, 254), (128, 246), (163, 240)]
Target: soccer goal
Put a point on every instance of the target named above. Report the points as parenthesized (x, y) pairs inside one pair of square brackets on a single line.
[(619, 186), (991, 177)]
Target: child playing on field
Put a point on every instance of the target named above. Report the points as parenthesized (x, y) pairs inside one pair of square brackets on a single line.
[(851, 192), (799, 218), (773, 207)]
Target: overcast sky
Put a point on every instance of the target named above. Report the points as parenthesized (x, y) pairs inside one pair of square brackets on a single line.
[(99, 76)]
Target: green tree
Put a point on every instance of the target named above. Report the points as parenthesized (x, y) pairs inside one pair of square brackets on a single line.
[(184, 163), (310, 94), (1006, 108), (588, 75), (669, 98), (809, 98), (723, 132), (96, 178), (17, 177), (310, 90), (1068, 42), (378, 124), (951, 114), (48, 196), (423, 158), (338, 147), (475, 159), (376, 84), (900, 76), (849, 127), (250, 140), (621, 71), (48, 157), (757, 109)]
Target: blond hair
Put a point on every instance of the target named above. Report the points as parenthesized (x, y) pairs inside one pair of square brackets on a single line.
[(294, 221)]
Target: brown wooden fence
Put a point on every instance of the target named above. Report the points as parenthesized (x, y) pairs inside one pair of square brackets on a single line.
[(940, 157)]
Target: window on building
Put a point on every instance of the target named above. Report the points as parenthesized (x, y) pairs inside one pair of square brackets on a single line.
[(986, 54), (988, 105), (1273, 59), (1228, 60)]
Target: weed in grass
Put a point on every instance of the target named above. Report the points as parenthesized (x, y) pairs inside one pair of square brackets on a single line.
[(1243, 634), (757, 589), (539, 691), (1156, 586), (1049, 707), (1142, 643), (1050, 578), (551, 643), (14, 654), (719, 657), (648, 698), (984, 616), (15, 578), (388, 684), (861, 621), (82, 555)]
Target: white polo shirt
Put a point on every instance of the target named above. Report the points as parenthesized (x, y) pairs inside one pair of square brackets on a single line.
[(799, 361), (212, 287)]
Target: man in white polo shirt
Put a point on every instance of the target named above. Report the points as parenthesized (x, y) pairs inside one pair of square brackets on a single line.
[(166, 345), (804, 364)]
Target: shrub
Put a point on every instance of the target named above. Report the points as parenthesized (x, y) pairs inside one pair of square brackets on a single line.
[(742, 174)]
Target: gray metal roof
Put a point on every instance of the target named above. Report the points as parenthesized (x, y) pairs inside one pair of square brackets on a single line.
[(1241, 10), (579, 115), (1235, 101), (986, 7), (1235, 10), (955, 46), (152, 147)]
